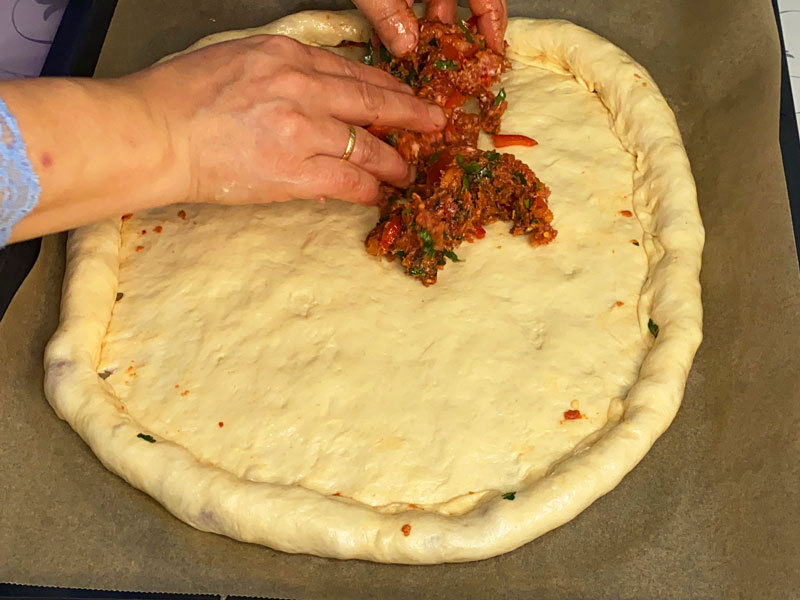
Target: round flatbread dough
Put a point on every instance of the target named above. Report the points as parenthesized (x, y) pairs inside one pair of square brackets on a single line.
[(259, 374)]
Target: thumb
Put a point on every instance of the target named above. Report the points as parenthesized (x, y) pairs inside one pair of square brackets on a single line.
[(492, 21), (394, 21)]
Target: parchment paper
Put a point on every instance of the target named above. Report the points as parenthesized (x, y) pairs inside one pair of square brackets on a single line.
[(713, 511)]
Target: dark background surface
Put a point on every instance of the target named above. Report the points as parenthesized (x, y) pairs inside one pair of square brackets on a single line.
[(679, 558)]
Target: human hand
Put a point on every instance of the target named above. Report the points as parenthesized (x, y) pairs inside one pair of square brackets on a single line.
[(397, 26), (268, 118)]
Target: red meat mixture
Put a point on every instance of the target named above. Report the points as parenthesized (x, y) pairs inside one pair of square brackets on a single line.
[(459, 189)]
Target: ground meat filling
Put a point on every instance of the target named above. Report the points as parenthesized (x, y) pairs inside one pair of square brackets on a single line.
[(459, 189)]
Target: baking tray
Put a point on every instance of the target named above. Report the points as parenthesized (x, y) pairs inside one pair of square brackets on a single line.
[(711, 512)]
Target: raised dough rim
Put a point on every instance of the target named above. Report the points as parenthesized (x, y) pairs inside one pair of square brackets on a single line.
[(300, 520)]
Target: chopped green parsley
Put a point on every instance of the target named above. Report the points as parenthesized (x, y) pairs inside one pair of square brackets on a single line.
[(509, 496), (445, 65), (427, 241), (147, 438), (467, 33), (501, 95), (465, 185), (468, 167), (369, 59), (652, 327)]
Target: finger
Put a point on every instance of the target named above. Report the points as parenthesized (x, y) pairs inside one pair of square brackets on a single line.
[(394, 21), (443, 10), (328, 177), (492, 21), (325, 61), (365, 104), (369, 153)]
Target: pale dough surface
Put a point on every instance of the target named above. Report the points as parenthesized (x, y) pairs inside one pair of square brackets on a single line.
[(304, 394)]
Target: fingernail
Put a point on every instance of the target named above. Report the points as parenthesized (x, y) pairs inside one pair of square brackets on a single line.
[(404, 43), (437, 115), (412, 174)]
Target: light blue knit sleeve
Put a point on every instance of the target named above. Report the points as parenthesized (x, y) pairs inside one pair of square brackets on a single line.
[(19, 185)]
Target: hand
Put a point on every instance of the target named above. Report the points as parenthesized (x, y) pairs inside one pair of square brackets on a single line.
[(268, 118), (397, 26), (253, 120)]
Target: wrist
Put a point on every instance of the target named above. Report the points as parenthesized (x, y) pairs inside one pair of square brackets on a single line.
[(162, 106), (154, 138), (98, 149)]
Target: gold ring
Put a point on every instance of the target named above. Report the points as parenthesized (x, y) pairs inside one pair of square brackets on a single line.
[(351, 144)]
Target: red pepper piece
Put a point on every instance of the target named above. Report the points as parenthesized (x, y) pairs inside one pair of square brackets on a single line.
[(455, 99), (571, 415), (472, 52), (379, 131), (450, 52), (390, 232), (501, 140), (435, 172), (480, 232)]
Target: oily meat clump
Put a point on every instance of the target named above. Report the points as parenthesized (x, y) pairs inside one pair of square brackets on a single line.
[(458, 189)]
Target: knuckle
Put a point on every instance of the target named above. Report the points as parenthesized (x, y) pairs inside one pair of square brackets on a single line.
[(347, 178), (371, 97), (370, 152), (289, 122), (280, 43), (388, 16), (367, 189), (253, 60), (349, 71), (353, 184)]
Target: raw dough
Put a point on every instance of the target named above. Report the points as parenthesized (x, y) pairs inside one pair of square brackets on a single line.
[(306, 396)]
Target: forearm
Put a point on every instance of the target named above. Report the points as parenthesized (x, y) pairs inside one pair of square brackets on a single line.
[(97, 148)]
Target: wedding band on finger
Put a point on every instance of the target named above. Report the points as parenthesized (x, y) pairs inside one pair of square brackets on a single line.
[(351, 144)]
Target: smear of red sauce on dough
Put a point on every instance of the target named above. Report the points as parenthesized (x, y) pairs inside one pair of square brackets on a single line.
[(182, 214), (158, 228), (185, 393), (571, 415), (139, 248), (406, 529), (221, 424), (127, 216), (626, 213)]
